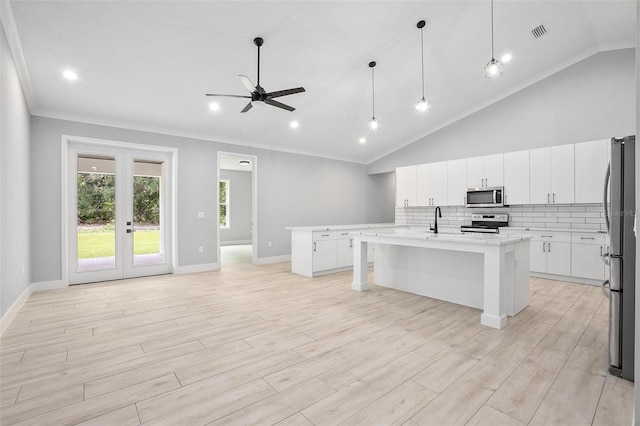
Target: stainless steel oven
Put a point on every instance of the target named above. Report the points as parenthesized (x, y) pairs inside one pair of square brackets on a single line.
[(485, 197)]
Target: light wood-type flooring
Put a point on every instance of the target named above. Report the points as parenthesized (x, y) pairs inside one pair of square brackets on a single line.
[(259, 345)]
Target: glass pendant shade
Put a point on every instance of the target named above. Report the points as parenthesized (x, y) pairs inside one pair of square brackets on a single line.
[(374, 123), (423, 105), (493, 69)]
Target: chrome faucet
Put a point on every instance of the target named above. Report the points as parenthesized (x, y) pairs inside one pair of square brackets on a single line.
[(437, 212)]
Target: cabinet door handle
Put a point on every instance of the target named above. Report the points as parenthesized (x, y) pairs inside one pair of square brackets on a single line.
[(600, 251), (548, 198), (351, 242), (587, 238), (549, 247), (554, 197), (543, 247), (314, 246), (546, 236)]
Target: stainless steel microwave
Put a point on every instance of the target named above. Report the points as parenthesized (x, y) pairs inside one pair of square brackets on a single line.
[(485, 197)]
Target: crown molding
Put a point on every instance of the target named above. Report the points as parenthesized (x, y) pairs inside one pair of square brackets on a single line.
[(8, 23)]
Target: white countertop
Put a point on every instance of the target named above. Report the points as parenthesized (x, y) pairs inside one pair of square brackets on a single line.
[(418, 233), (341, 227)]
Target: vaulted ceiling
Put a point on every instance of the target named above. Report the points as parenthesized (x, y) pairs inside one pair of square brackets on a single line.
[(147, 65)]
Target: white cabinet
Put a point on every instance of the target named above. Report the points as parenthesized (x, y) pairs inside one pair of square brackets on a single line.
[(324, 250), (586, 255), (551, 253), (591, 159), (344, 250), (406, 186), (516, 177), (457, 182), (551, 172), (431, 184), (485, 171)]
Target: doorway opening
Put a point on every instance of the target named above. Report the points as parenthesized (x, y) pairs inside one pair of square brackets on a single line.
[(237, 233)]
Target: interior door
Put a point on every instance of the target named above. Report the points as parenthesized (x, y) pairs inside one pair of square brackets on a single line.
[(119, 213)]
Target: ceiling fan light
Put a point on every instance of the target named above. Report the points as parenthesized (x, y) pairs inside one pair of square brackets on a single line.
[(374, 124), (493, 69), (363, 140), (423, 105), (257, 104)]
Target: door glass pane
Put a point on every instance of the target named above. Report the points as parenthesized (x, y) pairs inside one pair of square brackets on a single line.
[(148, 238), (96, 209)]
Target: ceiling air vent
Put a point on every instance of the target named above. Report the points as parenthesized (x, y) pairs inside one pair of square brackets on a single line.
[(539, 31)]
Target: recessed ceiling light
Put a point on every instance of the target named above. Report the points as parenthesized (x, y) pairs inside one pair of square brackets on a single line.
[(213, 106), (363, 140), (506, 57), (70, 75), (294, 124), (244, 162)]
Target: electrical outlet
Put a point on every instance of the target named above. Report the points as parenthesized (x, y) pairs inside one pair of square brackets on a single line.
[(270, 244), (200, 215), (200, 249)]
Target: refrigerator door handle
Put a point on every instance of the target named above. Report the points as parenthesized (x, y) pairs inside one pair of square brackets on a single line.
[(605, 207), (606, 290)]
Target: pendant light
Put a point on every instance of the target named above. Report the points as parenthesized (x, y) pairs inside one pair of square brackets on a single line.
[(422, 105), (493, 69), (373, 123)]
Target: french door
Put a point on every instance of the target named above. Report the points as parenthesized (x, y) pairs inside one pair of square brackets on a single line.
[(119, 213)]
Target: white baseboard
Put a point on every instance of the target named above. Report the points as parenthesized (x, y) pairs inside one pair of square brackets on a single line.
[(235, 242), (577, 280), (48, 285), (191, 269), (6, 319), (273, 259)]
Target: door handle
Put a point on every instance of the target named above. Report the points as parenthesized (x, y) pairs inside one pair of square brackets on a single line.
[(314, 246), (606, 292)]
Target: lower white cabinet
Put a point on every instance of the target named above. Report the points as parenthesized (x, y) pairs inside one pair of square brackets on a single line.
[(319, 252), (586, 256), (551, 253)]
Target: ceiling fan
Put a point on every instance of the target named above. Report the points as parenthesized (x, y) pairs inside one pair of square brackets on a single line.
[(258, 94)]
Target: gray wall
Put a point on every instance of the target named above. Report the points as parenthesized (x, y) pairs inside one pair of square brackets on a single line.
[(637, 345), (293, 190), (239, 207), (593, 99), (14, 182)]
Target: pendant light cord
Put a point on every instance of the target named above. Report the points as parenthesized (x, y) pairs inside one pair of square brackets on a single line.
[(422, 47), (373, 94), (492, 54)]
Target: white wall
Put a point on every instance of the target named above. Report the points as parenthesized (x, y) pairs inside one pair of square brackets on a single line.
[(293, 190), (593, 99), (239, 207), (14, 182)]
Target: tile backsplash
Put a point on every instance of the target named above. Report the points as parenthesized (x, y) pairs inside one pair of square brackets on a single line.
[(573, 216)]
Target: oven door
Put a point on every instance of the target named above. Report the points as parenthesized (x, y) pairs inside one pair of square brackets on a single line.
[(485, 197)]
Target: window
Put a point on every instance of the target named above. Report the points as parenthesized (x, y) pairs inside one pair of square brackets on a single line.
[(224, 204)]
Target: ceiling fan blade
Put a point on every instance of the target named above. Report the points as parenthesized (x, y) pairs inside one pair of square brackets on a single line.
[(285, 92), (247, 108), (247, 83), (228, 96), (279, 105)]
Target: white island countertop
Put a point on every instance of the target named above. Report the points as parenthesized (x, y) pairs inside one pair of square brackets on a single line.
[(418, 233)]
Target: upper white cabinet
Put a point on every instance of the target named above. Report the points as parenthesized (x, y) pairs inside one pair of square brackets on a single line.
[(432, 184), (457, 182), (485, 171), (516, 177), (591, 159), (406, 186), (551, 172)]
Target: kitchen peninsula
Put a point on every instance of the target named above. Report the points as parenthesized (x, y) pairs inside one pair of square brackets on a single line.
[(488, 272)]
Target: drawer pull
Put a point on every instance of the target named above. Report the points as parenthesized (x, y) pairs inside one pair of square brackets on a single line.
[(325, 235), (546, 236), (587, 238)]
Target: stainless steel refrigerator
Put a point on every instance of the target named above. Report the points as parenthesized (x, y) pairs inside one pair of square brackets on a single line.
[(619, 216)]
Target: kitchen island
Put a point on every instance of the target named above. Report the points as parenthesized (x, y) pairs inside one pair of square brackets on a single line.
[(484, 271)]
